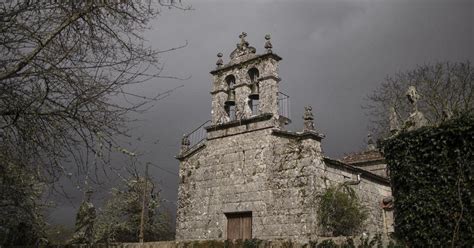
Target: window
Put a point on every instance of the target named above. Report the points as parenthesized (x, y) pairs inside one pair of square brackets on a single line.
[(239, 225), (230, 80)]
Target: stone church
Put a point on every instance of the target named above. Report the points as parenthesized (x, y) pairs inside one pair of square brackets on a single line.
[(243, 175)]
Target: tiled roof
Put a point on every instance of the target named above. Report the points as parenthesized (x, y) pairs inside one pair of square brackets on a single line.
[(363, 157)]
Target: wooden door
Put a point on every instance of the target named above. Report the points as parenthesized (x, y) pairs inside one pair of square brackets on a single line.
[(239, 225)]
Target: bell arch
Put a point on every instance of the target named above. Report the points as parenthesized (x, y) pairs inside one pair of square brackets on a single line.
[(254, 95), (230, 81)]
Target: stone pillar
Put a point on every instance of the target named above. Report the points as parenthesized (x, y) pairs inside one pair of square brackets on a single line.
[(269, 95), (243, 110), (218, 113), (269, 85)]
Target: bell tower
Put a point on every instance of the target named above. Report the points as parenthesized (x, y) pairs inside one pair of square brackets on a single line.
[(247, 86), (243, 176)]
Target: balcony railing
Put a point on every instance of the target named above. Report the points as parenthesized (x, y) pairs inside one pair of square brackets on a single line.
[(284, 105), (197, 136)]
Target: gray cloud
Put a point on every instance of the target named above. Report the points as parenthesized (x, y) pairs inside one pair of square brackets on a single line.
[(334, 54)]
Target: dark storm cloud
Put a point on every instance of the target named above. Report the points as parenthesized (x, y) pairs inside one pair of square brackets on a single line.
[(334, 54)]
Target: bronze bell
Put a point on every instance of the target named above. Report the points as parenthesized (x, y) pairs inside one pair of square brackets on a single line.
[(254, 92), (230, 98)]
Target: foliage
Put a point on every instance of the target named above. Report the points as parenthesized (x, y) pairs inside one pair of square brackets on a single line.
[(432, 176), (63, 67), (444, 88), (252, 243), (119, 221), (85, 218), (365, 241), (340, 212), (58, 234), (21, 222), (328, 243)]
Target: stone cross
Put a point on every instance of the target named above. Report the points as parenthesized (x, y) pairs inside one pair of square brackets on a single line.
[(243, 42), (308, 119), (416, 119), (243, 48), (413, 97)]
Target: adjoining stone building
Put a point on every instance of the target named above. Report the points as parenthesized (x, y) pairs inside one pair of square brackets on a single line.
[(370, 159), (242, 175)]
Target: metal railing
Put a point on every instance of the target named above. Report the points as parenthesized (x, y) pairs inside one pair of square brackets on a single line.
[(197, 135), (284, 105)]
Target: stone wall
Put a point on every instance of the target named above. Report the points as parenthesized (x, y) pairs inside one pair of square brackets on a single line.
[(274, 174), (253, 243)]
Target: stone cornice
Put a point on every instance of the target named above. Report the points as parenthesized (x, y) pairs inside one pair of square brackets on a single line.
[(269, 77), (235, 87), (217, 91), (235, 123), (230, 66), (190, 152), (299, 135)]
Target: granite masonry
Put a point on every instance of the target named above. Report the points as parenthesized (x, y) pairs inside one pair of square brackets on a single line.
[(250, 177)]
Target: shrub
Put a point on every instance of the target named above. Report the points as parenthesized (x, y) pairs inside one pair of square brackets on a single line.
[(340, 212)]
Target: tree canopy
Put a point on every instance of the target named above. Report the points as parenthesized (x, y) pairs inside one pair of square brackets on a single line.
[(66, 73), (445, 89), (119, 220)]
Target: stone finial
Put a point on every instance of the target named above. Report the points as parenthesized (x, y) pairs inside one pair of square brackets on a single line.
[(268, 44), (308, 119), (370, 143), (394, 124), (185, 143), (219, 62), (416, 119)]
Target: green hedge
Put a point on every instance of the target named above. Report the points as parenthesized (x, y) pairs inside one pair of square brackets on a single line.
[(432, 176)]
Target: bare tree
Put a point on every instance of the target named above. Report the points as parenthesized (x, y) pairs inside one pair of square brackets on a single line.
[(66, 73), (445, 89)]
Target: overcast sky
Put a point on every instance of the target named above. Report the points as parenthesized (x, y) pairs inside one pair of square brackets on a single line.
[(334, 54)]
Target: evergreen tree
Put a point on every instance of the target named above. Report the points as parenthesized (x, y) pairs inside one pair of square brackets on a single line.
[(119, 220)]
